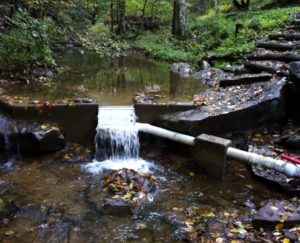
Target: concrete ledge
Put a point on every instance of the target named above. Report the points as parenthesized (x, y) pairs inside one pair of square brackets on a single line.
[(148, 113), (262, 109), (210, 155), (77, 121)]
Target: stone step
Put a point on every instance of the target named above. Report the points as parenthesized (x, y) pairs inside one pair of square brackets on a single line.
[(285, 36), (293, 27), (278, 46), (266, 55), (245, 79), (237, 70), (278, 68)]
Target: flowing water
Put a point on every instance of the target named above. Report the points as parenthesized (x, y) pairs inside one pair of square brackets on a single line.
[(61, 201), (117, 142), (7, 126)]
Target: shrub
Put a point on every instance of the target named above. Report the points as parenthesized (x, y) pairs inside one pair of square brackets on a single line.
[(24, 44)]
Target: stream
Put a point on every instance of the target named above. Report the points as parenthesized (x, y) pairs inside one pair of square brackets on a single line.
[(59, 201)]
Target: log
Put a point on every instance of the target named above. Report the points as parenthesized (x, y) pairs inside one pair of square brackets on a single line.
[(285, 36), (277, 46), (282, 57), (249, 79), (260, 67)]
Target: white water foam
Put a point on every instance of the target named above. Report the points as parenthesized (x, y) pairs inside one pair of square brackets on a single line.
[(139, 165), (117, 142)]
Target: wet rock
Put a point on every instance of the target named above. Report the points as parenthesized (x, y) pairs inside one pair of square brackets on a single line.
[(147, 95), (74, 153), (49, 73), (281, 181), (7, 204), (205, 65), (249, 204), (151, 89), (119, 208), (245, 79), (278, 46), (4, 186), (127, 189), (290, 35), (34, 212), (276, 212), (60, 232), (278, 68), (81, 89), (263, 55), (294, 69), (260, 103), (209, 75), (184, 69), (27, 138), (237, 70), (290, 141)]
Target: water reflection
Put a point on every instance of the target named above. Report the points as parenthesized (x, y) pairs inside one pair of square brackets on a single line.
[(111, 81)]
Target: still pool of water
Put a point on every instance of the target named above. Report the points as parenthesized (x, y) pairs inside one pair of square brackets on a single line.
[(110, 81)]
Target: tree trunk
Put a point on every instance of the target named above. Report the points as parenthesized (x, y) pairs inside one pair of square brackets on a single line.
[(202, 7), (242, 5), (121, 8), (180, 23)]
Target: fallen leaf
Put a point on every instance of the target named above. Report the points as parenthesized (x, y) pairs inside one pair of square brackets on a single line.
[(9, 232), (279, 227), (192, 174)]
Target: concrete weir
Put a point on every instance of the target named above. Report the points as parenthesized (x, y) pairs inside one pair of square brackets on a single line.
[(76, 119)]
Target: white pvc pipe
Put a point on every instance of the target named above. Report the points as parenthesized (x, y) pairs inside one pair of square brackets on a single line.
[(267, 162), (285, 167), (164, 133)]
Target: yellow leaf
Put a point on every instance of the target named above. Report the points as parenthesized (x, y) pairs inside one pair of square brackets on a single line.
[(286, 240), (30, 230), (192, 174), (43, 208), (9, 232), (208, 214), (279, 226)]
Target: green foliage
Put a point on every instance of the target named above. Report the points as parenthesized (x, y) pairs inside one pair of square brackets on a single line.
[(25, 44), (215, 34), (99, 39)]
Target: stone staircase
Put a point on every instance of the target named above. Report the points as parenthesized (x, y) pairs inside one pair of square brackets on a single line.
[(246, 96)]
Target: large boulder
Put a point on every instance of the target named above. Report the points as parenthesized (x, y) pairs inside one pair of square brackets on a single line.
[(294, 69), (29, 138), (231, 109)]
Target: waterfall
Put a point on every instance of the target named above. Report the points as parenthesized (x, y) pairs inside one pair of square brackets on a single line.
[(7, 126), (117, 136), (117, 141)]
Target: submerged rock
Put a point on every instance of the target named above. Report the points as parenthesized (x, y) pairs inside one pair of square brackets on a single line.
[(7, 204), (290, 141), (183, 69)]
